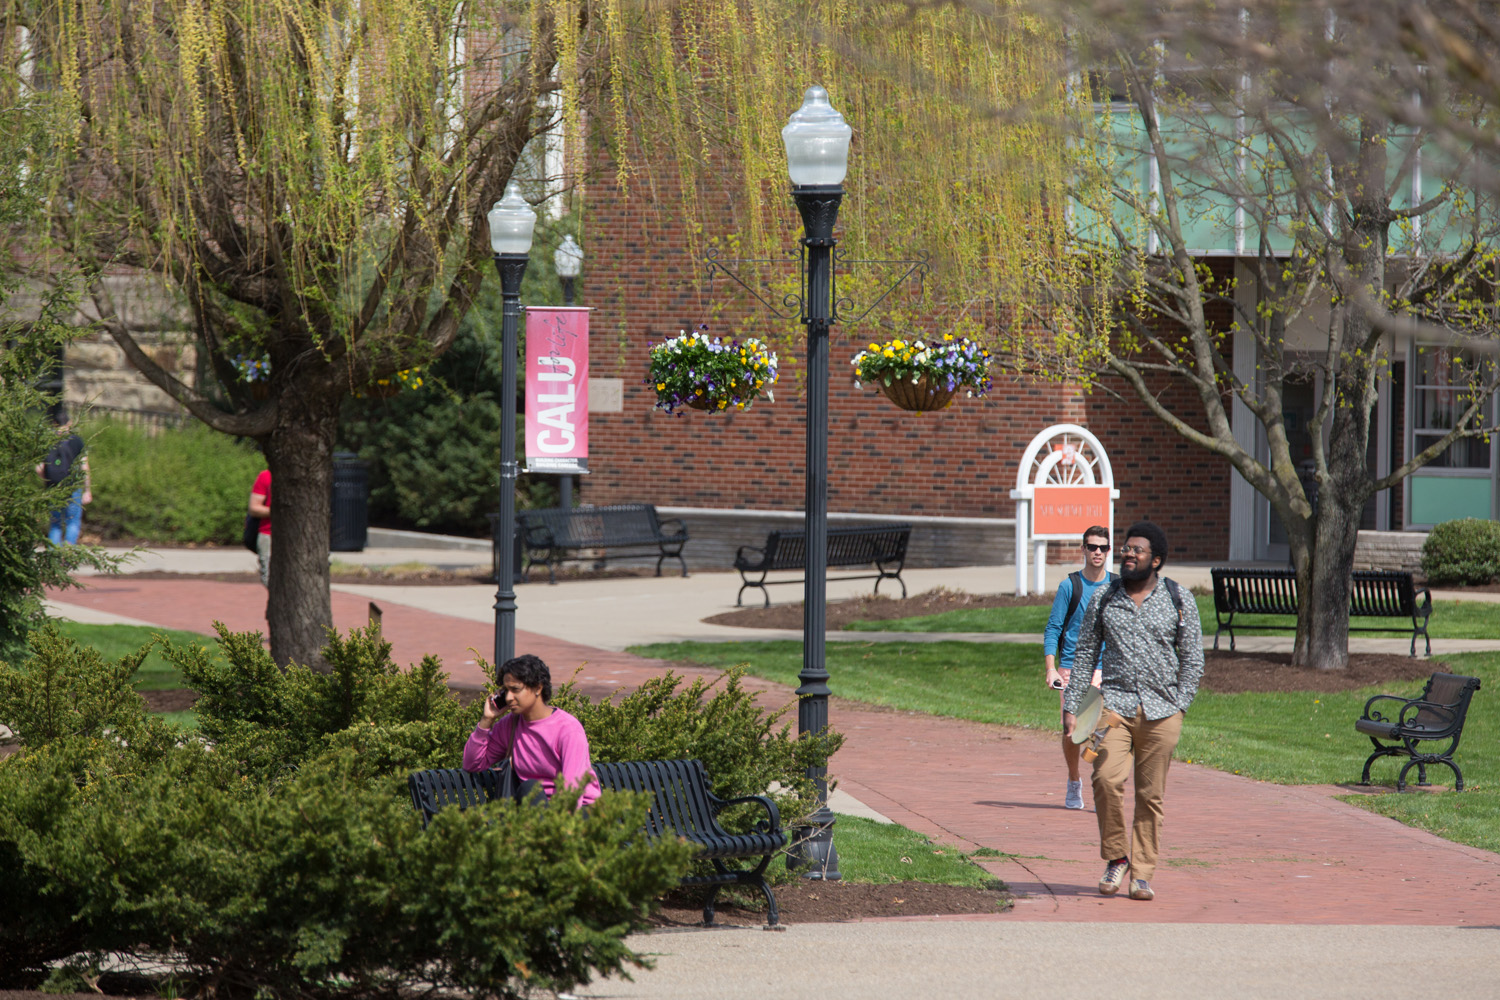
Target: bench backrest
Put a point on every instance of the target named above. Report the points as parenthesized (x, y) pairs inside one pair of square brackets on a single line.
[(1383, 593), (1263, 591), (847, 546), (451, 786), (1372, 593), (1448, 697), (588, 527), (680, 788)]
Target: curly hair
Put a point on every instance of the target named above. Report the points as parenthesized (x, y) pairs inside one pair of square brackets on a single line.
[(1152, 534), (530, 671)]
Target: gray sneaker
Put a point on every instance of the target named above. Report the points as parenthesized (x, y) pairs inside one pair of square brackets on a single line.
[(1141, 889), (1074, 797), (1114, 877)]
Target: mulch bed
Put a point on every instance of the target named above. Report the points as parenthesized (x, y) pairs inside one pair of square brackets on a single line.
[(874, 608)]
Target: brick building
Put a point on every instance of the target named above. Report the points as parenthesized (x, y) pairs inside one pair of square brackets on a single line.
[(733, 475)]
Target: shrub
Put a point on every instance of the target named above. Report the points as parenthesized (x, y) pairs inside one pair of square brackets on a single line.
[(1465, 551), (304, 874), (177, 485)]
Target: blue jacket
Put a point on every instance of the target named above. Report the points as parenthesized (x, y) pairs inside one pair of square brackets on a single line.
[(1054, 636)]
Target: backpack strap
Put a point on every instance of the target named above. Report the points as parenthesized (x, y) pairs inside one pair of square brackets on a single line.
[(1076, 579), (1176, 592)]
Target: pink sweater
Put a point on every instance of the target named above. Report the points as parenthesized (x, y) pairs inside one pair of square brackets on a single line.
[(556, 745)]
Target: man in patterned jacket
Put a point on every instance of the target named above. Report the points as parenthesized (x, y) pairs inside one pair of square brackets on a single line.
[(1152, 662)]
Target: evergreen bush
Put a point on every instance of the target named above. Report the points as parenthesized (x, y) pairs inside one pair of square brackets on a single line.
[(1464, 551), (187, 484), (305, 875)]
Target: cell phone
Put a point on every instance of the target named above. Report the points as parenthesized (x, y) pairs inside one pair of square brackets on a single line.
[(1057, 685), (501, 700)]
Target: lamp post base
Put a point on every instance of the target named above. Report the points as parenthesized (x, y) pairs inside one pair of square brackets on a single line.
[(812, 852)]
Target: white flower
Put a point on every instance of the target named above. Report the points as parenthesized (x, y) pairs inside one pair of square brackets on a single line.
[(770, 396), (857, 385)]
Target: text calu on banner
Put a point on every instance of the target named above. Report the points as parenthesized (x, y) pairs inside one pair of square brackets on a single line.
[(557, 390)]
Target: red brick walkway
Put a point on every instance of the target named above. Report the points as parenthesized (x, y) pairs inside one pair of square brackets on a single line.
[(1234, 851)]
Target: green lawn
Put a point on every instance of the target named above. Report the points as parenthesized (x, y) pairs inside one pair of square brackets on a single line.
[(886, 852), (1291, 738), (1450, 620), (155, 674), (115, 641)]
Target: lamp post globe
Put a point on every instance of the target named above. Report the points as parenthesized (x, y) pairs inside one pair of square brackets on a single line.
[(817, 154), (567, 261), (512, 222)]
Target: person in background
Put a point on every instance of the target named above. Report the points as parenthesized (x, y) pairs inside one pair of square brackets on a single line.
[(546, 745), (260, 506), (1061, 639), (67, 518)]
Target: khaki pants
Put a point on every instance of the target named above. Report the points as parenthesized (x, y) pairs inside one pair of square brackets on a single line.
[(1144, 749)]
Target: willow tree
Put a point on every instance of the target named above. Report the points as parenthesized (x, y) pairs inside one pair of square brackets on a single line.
[(1318, 193), (308, 178)]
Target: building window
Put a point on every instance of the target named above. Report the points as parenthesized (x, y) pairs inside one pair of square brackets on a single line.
[(1441, 391)]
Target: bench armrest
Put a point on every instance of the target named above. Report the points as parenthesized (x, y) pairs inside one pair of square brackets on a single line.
[(679, 531), (1424, 605), (1410, 709), (772, 822), (538, 536), (741, 560), (1376, 716)]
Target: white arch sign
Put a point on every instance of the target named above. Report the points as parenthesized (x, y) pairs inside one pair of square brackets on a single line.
[(1064, 486)]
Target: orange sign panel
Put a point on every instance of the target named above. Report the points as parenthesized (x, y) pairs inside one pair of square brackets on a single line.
[(1066, 511)]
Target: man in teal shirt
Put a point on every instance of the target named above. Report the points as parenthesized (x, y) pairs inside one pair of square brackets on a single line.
[(1073, 595)]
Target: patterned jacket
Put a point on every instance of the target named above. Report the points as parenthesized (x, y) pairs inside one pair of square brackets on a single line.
[(1149, 662)]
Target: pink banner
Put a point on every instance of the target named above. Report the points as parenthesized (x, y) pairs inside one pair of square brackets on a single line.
[(557, 390)]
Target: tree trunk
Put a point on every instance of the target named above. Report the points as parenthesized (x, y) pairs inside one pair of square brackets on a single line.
[(300, 454)]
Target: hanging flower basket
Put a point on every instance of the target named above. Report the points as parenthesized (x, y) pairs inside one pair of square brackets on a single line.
[(260, 390), (920, 377), (921, 396), (706, 373)]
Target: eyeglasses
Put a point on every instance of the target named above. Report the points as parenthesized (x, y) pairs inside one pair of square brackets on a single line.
[(1095, 548), (1135, 550)]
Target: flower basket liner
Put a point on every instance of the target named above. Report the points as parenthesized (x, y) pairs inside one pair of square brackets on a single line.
[(377, 391), (701, 402), (918, 396), (260, 390)]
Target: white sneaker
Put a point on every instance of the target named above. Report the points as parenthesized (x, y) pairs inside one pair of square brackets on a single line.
[(1074, 797)]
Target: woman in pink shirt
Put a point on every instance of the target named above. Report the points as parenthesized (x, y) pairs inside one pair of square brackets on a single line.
[(545, 744)]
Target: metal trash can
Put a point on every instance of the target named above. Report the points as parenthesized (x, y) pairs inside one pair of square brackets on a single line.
[(495, 546), (348, 528)]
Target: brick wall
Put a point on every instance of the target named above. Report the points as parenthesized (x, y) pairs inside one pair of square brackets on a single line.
[(961, 462)]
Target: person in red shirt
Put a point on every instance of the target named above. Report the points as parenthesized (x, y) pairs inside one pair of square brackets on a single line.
[(260, 506)]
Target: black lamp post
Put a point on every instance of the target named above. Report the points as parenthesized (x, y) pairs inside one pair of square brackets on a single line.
[(817, 153), (567, 261), (511, 223)]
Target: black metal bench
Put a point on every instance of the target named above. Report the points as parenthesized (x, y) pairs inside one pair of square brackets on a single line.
[(1373, 594), (683, 806), (880, 545), (556, 531), (1434, 716)]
